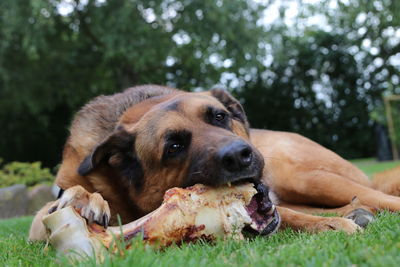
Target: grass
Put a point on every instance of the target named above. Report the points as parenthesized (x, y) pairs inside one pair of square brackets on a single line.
[(14, 248), (378, 245)]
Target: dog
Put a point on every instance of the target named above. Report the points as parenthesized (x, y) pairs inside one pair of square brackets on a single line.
[(125, 150)]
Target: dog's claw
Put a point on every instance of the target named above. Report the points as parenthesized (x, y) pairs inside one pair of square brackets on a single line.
[(105, 220), (90, 206), (52, 209), (90, 218)]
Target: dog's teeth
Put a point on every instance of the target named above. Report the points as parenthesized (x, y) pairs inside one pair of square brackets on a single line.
[(271, 211), (229, 184)]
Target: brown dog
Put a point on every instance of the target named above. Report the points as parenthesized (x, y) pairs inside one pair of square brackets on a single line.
[(127, 149)]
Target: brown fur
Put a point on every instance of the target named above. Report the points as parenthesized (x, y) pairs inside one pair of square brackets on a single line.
[(388, 181), (304, 175)]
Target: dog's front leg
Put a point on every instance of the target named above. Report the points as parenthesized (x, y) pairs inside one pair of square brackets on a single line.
[(310, 223), (91, 206), (37, 231)]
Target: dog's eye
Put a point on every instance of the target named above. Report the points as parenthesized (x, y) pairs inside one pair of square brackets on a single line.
[(174, 148), (176, 144), (220, 116)]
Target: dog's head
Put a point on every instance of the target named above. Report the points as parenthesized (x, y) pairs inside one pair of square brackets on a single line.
[(178, 140)]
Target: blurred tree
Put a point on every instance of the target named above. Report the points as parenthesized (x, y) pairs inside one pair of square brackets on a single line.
[(55, 55), (326, 78), (372, 29), (310, 89), (321, 80)]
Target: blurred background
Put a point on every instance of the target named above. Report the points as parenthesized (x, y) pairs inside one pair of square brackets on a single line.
[(324, 69)]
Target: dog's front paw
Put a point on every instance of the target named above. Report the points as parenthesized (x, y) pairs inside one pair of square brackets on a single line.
[(90, 206)]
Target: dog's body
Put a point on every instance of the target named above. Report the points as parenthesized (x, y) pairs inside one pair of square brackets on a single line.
[(129, 148)]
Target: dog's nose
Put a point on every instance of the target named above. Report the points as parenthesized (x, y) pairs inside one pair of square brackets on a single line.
[(235, 156)]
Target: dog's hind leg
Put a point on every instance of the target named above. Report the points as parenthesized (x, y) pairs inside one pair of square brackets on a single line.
[(310, 223), (326, 189), (340, 211), (388, 181), (360, 214)]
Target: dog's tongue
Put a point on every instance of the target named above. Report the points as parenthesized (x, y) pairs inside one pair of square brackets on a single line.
[(265, 218)]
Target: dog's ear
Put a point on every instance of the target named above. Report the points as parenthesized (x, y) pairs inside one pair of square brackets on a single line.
[(113, 151), (118, 152), (232, 104)]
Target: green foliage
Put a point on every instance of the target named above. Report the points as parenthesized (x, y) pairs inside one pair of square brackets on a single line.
[(25, 173), (51, 64), (321, 80), (312, 89), (395, 110), (325, 79)]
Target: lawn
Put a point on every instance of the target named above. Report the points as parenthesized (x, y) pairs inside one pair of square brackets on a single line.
[(378, 245)]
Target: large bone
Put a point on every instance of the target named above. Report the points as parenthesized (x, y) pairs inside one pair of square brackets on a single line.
[(197, 212)]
